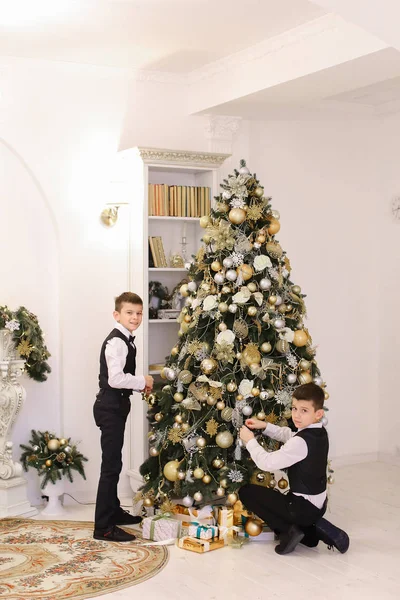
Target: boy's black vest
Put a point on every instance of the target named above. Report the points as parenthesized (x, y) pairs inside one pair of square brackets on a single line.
[(309, 475), (130, 365)]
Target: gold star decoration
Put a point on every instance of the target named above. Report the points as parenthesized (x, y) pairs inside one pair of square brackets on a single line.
[(168, 506), (212, 427), (271, 418), (24, 348), (175, 435), (194, 347)]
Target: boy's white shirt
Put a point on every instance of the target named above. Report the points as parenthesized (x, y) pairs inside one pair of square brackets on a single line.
[(294, 450), (116, 352)]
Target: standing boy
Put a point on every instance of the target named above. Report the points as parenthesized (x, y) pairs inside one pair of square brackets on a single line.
[(295, 516), (117, 381)]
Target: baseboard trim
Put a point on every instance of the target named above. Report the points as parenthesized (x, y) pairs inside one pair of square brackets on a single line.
[(353, 459)]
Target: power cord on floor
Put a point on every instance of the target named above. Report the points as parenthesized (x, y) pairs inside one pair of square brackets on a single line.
[(82, 503)]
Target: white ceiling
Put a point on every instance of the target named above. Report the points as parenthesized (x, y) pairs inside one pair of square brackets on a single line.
[(164, 35), (188, 37)]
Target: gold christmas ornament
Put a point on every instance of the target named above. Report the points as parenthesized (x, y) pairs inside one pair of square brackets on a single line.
[(216, 265), (296, 289), (282, 346), (282, 308), (201, 442), (53, 444), (272, 299), (198, 473), (205, 221), (261, 416), (266, 347), (251, 354), (187, 318), (331, 479), (224, 439), (63, 442), (326, 395), (218, 463), (305, 365), (48, 462), (246, 271), (274, 226), (226, 413), (184, 290), (232, 498), (305, 377), (158, 417), (179, 419), (282, 483), (231, 387), (185, 427), (274, 249), (222, 326), (260, 477), (171, 470), (261, 239), (208, 366), (300, 338), (148, 502), (259, 191), (211, 401), (224, 483), (252, 311), (153, 451), (181, 475), (252, 286), (206, 238), (220, 492), (237, 216), (220, 405), (255, 391), (185, 377), (253, 527), (174, 351), (178, 397), (222, 306), (206, 479)]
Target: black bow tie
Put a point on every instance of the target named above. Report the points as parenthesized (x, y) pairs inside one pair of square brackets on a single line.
[(131, 339)]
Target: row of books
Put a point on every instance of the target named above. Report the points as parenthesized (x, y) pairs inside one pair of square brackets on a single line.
[(178, 200), (156, 252)]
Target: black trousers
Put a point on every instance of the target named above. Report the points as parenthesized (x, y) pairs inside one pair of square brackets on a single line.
[(110, 411), (280, 511)]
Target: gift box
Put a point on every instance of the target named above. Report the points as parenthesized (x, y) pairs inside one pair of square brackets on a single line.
[(203, 532), (224, 516), (161, 528), (200, 546), (193, 516)]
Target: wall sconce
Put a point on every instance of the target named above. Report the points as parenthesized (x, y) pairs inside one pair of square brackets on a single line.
[(109, 215)]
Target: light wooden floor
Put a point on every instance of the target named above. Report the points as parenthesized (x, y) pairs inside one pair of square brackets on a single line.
[(364, 500)]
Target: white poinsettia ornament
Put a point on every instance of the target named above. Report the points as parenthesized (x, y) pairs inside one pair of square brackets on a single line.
[(226, 337), (209, 303), (261, 262), (287, 334), (245, 387)]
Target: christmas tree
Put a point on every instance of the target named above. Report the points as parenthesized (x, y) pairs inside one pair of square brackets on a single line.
[(242, 350)]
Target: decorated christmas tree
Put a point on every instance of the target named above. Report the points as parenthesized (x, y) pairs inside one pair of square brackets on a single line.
[(242, 350)]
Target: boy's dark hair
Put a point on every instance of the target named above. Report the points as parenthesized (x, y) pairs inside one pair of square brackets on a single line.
[(127, 297), (311, 392)]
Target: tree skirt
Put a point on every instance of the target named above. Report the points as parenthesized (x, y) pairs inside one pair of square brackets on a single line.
[(57, 560)]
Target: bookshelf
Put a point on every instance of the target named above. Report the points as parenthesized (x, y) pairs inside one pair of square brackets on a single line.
[(136, 170)]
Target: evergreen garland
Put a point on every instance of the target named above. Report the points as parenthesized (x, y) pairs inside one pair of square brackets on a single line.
[(29, 340), (52, 457)]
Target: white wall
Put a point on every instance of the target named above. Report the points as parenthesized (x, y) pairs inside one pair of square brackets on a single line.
[(324, 180), (387, 239)]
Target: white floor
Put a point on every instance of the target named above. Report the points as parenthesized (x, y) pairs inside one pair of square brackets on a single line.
[(364, 500)]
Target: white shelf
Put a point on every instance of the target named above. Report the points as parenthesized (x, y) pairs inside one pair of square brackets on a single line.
[(168, 269), (163, 321), (154, 372)]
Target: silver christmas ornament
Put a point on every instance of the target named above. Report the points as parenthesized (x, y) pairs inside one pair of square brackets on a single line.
[(279, 323), (291, 378), (247, 410), (278, 301), (265, 284), (318, 381), (226, 195), (276, 214), (227, 262), (198, 496), (192, 286), (324, 421), (170, 374), (244, 171), (219, 278), (257, 245), (187, 501), (231, 275), (232, 308), (264, 395)]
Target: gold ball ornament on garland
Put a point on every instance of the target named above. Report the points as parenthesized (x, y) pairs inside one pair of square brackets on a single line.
[(216, 265), (232, 498), (231, 387), (224, 483), (305, 377), (326, 395), (266, 347), (300, 338), (206, 479), (53, 444), (198, 473), (282, 483), (208, 366), (255, 392), (178, 397), (181, 475), (261, 238), (220, 404), (205, 221), (237, 216), (158, 417), (198, 496), (274, 226), (185, 377), (246, 271), (305, 365), (48, 463), (259, 191), (63, 442), (261, 416), (206, 238), (274, 249), (174, 351), (224, 439), (171, 470), (220, 492), (153, 451), (296, 289), (252, 311), (252, 287), (201, 442), (185, 427), (253, 527), (148, 502), (222, 307), (218, 463), (282, 346)]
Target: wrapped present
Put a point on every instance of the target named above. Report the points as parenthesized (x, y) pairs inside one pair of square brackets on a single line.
[(196, 545), (238, 512), (266, 535), (192, 516), (161, 528), (224, 516), (203, 532)]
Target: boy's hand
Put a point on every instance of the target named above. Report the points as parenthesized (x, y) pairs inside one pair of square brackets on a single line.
[(245, 434), (149, 382), (255, 424)]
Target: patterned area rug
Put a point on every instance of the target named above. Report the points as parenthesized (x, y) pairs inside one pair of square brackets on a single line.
[(59, 560)]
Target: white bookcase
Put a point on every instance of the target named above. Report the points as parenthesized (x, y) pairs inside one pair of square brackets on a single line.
[(135, 169)]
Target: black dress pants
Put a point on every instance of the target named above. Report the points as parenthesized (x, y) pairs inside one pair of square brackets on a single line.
[(280, 511), (110, 411)]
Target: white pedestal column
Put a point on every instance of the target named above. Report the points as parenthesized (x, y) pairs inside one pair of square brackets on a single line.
[(13, 495)]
